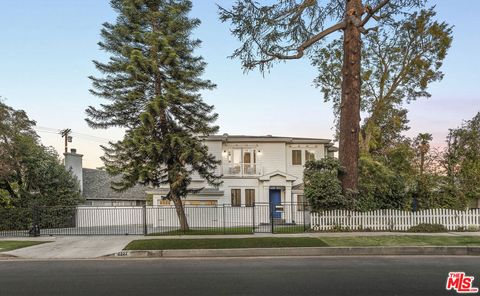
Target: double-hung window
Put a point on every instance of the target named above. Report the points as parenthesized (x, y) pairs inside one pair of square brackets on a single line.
[(236, 198), (301, 202), (296, 157), (250, 197)]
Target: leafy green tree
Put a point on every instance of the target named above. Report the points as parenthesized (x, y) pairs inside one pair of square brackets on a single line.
[(16, 129), (31, 174), (432, 188), (5, 200), (462, 160), (386, 182), (292, 29), (399, 61), (323, 189), (152, 82)]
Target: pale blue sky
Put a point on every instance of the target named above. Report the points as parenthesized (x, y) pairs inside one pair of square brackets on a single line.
[(47, 47)]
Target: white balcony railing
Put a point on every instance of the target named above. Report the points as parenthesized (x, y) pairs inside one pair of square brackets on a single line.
[(242, 169)]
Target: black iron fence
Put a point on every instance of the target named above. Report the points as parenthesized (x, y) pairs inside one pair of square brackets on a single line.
[(155, 220)]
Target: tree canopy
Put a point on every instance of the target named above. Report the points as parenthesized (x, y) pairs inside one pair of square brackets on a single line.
[(30, 173), (399, 61), (292, 29), (462, 158)]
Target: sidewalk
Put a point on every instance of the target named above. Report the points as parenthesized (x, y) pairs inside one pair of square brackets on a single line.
[(82, 247), (72, 247)]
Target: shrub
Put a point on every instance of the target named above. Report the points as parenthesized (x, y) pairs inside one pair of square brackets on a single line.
[(380, 187), (471, 228), (323, 189), (15, 219), (340, 228), (426, 227)]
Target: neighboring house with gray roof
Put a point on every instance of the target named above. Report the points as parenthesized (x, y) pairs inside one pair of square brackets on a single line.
[(98, 192), (96, 188)]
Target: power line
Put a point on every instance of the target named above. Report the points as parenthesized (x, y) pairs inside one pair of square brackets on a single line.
[(87, 137), (90, 136)]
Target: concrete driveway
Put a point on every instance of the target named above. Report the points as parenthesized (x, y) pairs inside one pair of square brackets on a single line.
[(73, 247)]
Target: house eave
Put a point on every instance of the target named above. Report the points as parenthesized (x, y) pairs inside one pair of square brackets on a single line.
[(265, 139)]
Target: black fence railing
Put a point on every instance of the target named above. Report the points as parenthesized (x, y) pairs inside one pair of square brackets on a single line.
[(155, 220)]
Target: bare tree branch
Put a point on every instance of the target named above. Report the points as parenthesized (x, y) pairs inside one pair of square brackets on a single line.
[(301, 49), (371, 12), (366, 31)]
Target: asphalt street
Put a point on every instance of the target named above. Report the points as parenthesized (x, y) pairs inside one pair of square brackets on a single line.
[(230, 276)]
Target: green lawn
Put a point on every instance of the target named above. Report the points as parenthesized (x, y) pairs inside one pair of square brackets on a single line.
[(404, 240), (279, 242), (207, 231), (231, 243), (12, 245)]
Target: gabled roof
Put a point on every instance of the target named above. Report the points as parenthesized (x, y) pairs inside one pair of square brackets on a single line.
[(268, 138), (268, 176), (97, 185)]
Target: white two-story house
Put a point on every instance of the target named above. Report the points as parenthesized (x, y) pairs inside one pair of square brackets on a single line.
[(255, 170)]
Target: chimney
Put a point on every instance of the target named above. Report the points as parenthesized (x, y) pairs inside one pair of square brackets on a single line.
[(73, 161)]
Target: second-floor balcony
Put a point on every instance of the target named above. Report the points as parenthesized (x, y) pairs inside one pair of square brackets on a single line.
[(242, 169)]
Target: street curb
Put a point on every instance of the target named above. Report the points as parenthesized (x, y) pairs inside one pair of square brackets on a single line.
[(301, 251), (7, 256)]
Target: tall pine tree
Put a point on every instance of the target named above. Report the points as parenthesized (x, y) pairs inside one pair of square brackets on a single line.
[(152, 82)]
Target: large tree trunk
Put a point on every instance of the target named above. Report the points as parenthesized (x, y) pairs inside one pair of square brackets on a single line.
[(182, 218), (350, 104), (177, 201)]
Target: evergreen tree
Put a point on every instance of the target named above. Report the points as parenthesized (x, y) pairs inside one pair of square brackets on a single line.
[(152, 81)]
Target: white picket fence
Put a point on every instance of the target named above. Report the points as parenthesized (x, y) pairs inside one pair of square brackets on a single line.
[(394, 220)]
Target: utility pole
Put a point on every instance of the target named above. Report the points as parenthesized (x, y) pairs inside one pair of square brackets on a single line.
[(68, 139)]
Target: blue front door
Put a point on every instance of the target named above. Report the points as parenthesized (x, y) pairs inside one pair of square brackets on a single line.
[(275, 200)]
